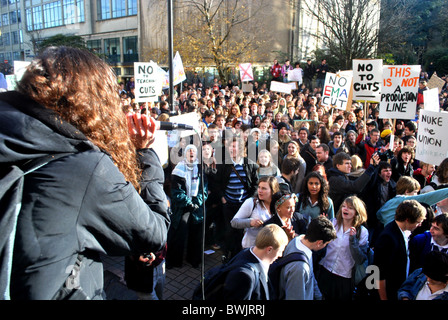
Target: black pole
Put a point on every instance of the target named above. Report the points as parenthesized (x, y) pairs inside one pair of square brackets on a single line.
[(170, 54)]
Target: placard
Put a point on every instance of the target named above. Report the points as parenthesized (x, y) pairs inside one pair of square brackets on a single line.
[(148, 83), (283, 87), (337, 91), (246, 72), (435, 82), (432, 140), (399, 92), (367, 79), (295, 75), (431, 100)]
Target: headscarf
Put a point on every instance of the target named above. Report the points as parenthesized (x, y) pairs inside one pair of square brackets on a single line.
[(285, 197), (188, 171)]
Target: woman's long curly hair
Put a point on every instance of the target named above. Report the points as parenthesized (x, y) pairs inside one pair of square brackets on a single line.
[(83, 90)]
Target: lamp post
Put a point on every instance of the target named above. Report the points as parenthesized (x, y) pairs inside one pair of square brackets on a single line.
[(170, 53)]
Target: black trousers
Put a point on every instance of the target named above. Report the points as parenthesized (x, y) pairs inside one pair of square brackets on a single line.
[(187, 235), (232, 236)]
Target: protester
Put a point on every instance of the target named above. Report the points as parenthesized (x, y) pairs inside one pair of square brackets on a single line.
[(86, 203), (429, 282), (248, 279), (391, 248), (297, 280), (255, 211), (345, 252), (313, 200), (189, 190)]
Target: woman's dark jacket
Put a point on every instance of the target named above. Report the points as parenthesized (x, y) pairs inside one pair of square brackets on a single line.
[(80, 203)]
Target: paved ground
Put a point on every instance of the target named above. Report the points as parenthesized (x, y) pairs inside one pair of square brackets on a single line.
[(180, 282)]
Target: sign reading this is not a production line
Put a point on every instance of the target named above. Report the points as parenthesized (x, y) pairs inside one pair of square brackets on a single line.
[(148, 81)]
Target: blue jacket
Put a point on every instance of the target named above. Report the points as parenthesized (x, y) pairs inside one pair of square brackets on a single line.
[(419, 246), (387, 212), (245, 283), (413, 284)]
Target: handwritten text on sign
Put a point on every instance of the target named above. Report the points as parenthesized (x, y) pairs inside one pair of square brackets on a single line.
[(336, 92), (432, 141), (367, 79), (399, 92), (148, 82)]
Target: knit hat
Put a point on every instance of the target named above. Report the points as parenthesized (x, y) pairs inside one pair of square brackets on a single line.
[(282, 125), (385, 133)]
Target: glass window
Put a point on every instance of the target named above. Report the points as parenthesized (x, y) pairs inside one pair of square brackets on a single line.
[(118, 8), (73, 11), (103, 7), (132, 7), (13, 17), (112, 49), (37, 18), (94, 46), (52, 14), (15, 37), (5, 19), (29, 20), (130, 49), (6, 39)]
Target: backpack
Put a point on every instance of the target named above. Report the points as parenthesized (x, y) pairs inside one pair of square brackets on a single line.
[(276, 268), (212, 286), (11, 189)]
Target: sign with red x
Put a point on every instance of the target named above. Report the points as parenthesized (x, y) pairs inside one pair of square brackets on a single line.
[(246, 72)]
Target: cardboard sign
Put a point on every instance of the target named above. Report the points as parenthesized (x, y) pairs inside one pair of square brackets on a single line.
[(367, 79), (431, 100), (148, 83), (246, 72), (337, 91), (280, 87), (432, 141), (247, 87), (435, 82), (399, 92)]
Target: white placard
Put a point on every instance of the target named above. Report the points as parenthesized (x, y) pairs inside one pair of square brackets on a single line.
[(337, 91), (399, 92), (246, 73), (431, 100), (148, 82), (295, 75), (283, 87), (367, 79), (432, 140)]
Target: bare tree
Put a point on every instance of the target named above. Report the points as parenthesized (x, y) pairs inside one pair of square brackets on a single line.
[(348, 29), (217, 32)]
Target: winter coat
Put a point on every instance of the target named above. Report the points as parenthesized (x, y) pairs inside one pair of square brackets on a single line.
[(80, 203)]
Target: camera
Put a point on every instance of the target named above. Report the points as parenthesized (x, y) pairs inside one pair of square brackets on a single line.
[(386, 155)]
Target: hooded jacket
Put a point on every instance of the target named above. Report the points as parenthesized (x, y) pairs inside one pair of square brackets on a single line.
[(80, 203)]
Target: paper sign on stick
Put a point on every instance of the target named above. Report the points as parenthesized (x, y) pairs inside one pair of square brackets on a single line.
[(399, 92), (367, 79), (246, 72), (431, 100), (432, 141), (148, 83), (337, 91), (277, 86)]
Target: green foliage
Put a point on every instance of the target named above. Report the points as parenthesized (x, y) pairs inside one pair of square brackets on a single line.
[(63, 40), (439, 56)]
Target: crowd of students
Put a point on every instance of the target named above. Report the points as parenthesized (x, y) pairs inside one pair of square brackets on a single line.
[(271, 158)]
